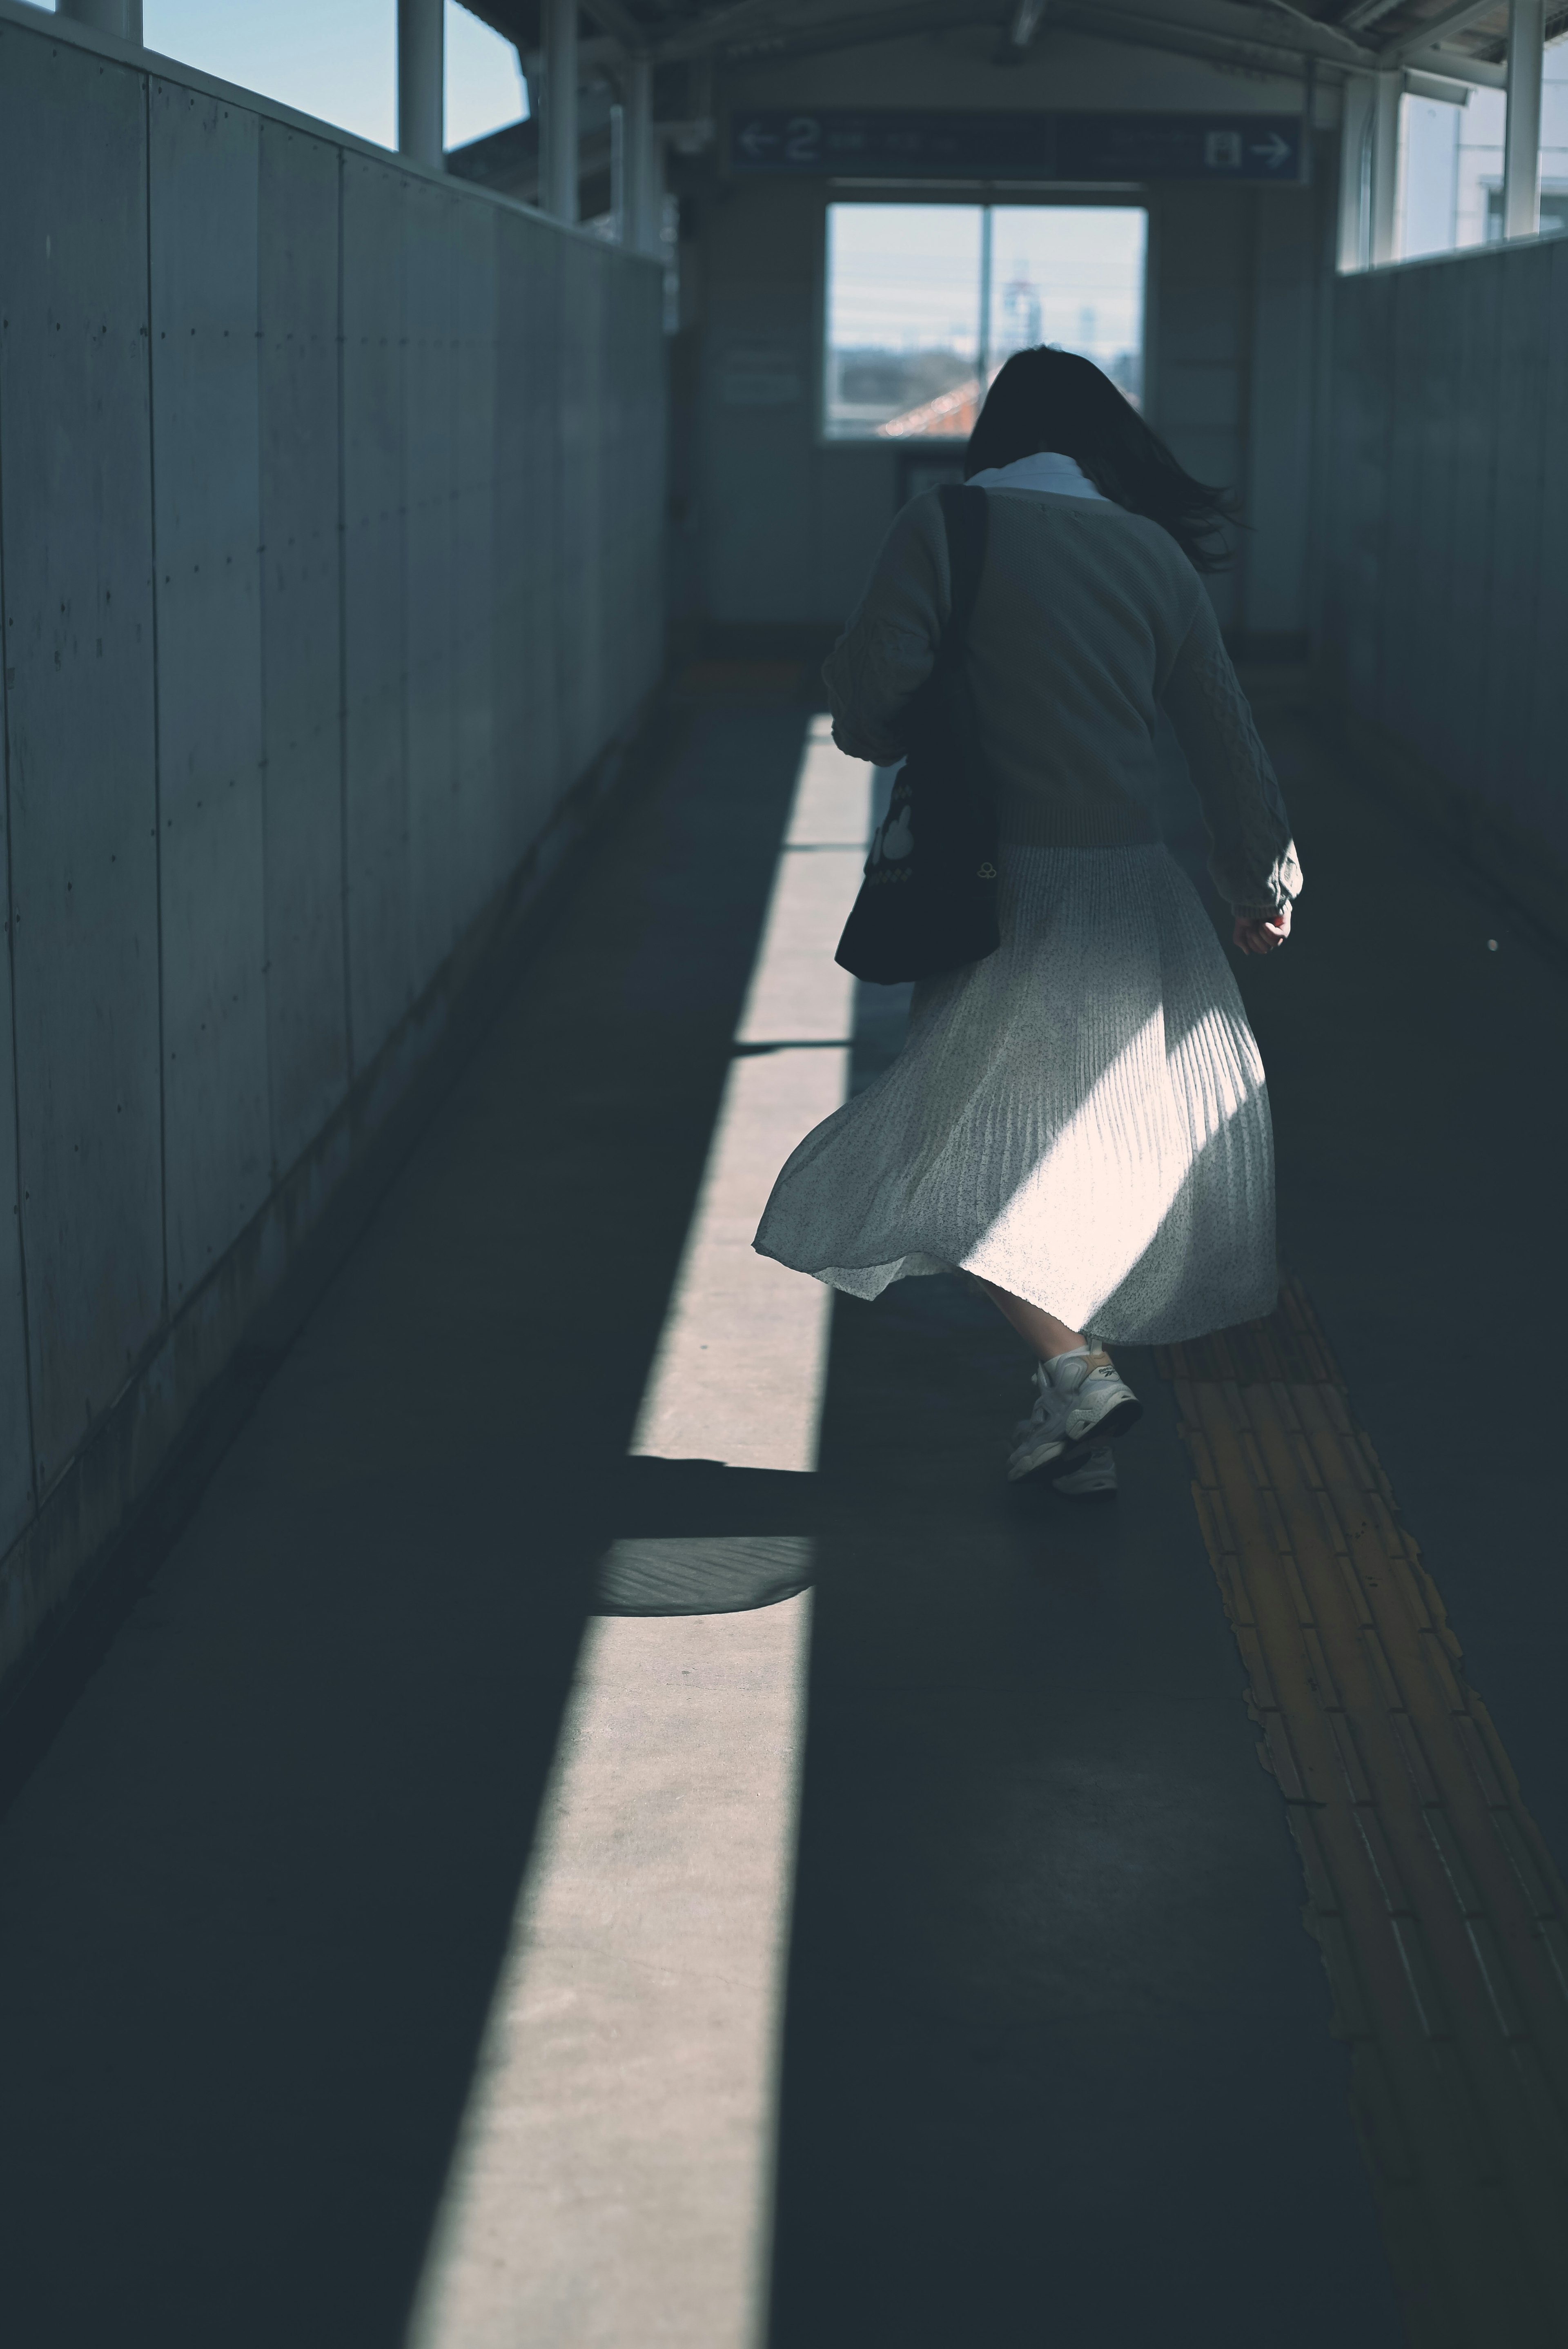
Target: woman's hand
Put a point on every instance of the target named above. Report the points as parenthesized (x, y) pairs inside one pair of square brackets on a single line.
[(1256, 934)]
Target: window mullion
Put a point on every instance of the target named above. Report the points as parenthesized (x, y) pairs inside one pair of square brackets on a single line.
[(983, 350)]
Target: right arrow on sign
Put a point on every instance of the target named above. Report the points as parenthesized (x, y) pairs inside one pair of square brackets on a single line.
[(1275, 149)]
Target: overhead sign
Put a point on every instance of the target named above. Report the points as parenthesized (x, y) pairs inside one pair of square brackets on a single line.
[(1083, 148)]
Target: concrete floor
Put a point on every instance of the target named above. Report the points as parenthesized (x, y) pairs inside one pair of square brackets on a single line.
[(1056, 2061)]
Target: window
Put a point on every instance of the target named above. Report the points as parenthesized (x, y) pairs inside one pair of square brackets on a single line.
[(926, 301), (1450, 166)]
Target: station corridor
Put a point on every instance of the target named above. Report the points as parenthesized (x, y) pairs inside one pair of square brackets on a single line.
[(612, 1823)]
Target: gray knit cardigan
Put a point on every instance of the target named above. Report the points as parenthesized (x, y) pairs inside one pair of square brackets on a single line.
[(1089, 620)]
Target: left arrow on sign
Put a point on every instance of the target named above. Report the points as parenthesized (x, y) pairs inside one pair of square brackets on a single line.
[(756, 140)]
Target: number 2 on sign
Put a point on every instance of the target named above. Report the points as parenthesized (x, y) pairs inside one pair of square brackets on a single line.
[(802, 139)]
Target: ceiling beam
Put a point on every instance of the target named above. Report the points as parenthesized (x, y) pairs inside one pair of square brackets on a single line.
[(1197, 28), (775, 29), (1433, 29), (1454, 65), (1261, 26), (1264, 44), (1260, 21), (1268, 36), (1106, 22), (1095, 19), (746, 17), (1335, 32)]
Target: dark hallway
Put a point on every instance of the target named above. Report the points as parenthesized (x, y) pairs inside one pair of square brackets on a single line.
[(1058, 2061), (553, 1793)]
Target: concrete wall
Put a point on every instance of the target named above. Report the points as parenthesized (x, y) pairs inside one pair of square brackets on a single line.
[(331, 520), (1445, 548), (788, 523)]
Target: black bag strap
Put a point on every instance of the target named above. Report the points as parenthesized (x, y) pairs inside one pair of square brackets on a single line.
[(966, 514)]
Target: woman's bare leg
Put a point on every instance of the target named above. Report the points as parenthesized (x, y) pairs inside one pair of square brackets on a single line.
[(1039, 1329)]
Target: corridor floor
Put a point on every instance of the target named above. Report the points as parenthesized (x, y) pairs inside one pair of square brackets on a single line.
[(960, 1994)]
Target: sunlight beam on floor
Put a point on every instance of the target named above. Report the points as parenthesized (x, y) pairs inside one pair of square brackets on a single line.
[(612, 2185)]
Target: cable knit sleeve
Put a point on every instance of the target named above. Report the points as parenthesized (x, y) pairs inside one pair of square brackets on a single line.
[(1251, 854), (889, 649)]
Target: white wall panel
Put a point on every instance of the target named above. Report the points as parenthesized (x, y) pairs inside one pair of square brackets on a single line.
[(1405, 518), (1523, 335), (763, 259), (75, 496), (601, 395), (550, 614), (480, 861), (577, 506), (15, 1447), (521, 645), (1444, 574), (376, 779), (1540, 754), (1363, 484), (308, 1030), (301, 560), (1408, 518), (431, 359), (642, 304), (203, 160), (510, 691), (1289, 247), (1473, 351), (1201, 353)]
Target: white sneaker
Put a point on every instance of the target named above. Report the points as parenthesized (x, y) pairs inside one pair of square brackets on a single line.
[(1094, 1480), (1079, 1397)]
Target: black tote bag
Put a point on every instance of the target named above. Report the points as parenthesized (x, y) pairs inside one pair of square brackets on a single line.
[(928, 902)]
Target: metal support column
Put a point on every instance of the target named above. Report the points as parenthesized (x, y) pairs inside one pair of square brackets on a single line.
[(642, 158), (1521, 138), (1385, 164), (558, 131), (422, 81), (120, 16), (1355, 178)]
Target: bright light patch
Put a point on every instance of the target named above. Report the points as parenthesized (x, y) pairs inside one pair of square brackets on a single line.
[(339, 61), (1116, 1168), (485, 88), (613, 2179)]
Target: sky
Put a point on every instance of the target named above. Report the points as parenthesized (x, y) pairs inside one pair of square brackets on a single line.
[(338, 59)]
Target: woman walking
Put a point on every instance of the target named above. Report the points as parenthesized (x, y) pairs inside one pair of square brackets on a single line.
[(1079, 1121)]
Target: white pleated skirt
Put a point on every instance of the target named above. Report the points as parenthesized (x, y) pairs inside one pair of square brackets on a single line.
[(1081, 1119)]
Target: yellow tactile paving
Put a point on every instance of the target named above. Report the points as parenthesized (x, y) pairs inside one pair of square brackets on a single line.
[(1440, 1915)]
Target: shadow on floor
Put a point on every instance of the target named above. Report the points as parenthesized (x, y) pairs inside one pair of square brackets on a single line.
[(253, 1898), (1057, 2065), (1057, 2062)]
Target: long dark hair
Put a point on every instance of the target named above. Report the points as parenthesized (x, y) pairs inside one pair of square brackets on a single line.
[(1048, 399)]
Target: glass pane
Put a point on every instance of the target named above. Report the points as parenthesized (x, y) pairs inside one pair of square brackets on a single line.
[(1450, 166), (903, 321), (1428, 200), (1072, 276)]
